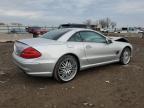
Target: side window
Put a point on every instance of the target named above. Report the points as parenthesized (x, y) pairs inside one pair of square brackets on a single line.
[(88, 36), (75, 38)]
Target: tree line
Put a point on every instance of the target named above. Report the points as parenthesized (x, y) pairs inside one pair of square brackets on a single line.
[(102, 23)]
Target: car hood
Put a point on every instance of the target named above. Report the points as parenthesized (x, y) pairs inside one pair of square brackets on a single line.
[(39, 41), (115, 38), (119, 39)]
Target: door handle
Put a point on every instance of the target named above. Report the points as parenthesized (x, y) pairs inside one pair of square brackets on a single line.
[(88, 46)]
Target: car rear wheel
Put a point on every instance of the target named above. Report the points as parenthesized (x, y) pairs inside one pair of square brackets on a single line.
[(125, 56), (66, 68)]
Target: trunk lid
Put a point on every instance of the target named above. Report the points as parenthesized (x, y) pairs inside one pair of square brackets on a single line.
[(39, 41), (20, 45)]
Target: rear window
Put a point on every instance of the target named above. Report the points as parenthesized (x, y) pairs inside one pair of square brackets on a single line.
[(55, 34)]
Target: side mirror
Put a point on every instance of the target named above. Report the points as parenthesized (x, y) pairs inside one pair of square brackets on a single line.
[(109, 41)]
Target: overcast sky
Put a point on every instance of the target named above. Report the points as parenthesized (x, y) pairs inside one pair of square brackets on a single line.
[(55, 12)]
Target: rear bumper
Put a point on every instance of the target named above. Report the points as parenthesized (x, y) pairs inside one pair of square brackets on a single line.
[(35, 67)]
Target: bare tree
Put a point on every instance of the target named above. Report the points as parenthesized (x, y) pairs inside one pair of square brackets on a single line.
[(88, 22), (107, 23), (102, 23), (113, 25)]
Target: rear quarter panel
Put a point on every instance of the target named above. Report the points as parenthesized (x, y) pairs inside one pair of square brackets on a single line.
[(54, 52)]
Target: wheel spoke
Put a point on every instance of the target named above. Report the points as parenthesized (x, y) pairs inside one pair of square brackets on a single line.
[(126, 56), (63, 64), (67, 69), (61, 68)]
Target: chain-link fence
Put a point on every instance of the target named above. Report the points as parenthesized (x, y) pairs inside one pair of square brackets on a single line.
[(19, 29)]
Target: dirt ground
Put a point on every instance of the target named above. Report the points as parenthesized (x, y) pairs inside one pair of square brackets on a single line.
[(110, 86)]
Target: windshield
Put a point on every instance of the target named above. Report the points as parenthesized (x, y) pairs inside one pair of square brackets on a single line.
[(55, 34)]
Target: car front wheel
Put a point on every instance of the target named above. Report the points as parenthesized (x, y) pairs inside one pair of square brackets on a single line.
[(125, 56), (66, 68)]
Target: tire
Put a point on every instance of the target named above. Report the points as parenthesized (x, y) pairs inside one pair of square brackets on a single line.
[(125, 56), (66, 68)]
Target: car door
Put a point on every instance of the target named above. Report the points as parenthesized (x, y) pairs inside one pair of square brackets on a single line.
[(76, 46), (96, 48)]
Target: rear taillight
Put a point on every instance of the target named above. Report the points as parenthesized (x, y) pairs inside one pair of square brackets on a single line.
[(30, 53)]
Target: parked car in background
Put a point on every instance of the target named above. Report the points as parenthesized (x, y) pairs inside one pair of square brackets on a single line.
[(108, 30), (18, 30), (93, 27), (130, 30), (36, 30), (72, 26), (62, 53), (30, 29)]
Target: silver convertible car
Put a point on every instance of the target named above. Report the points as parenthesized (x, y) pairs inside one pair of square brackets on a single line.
[(62, 53)]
